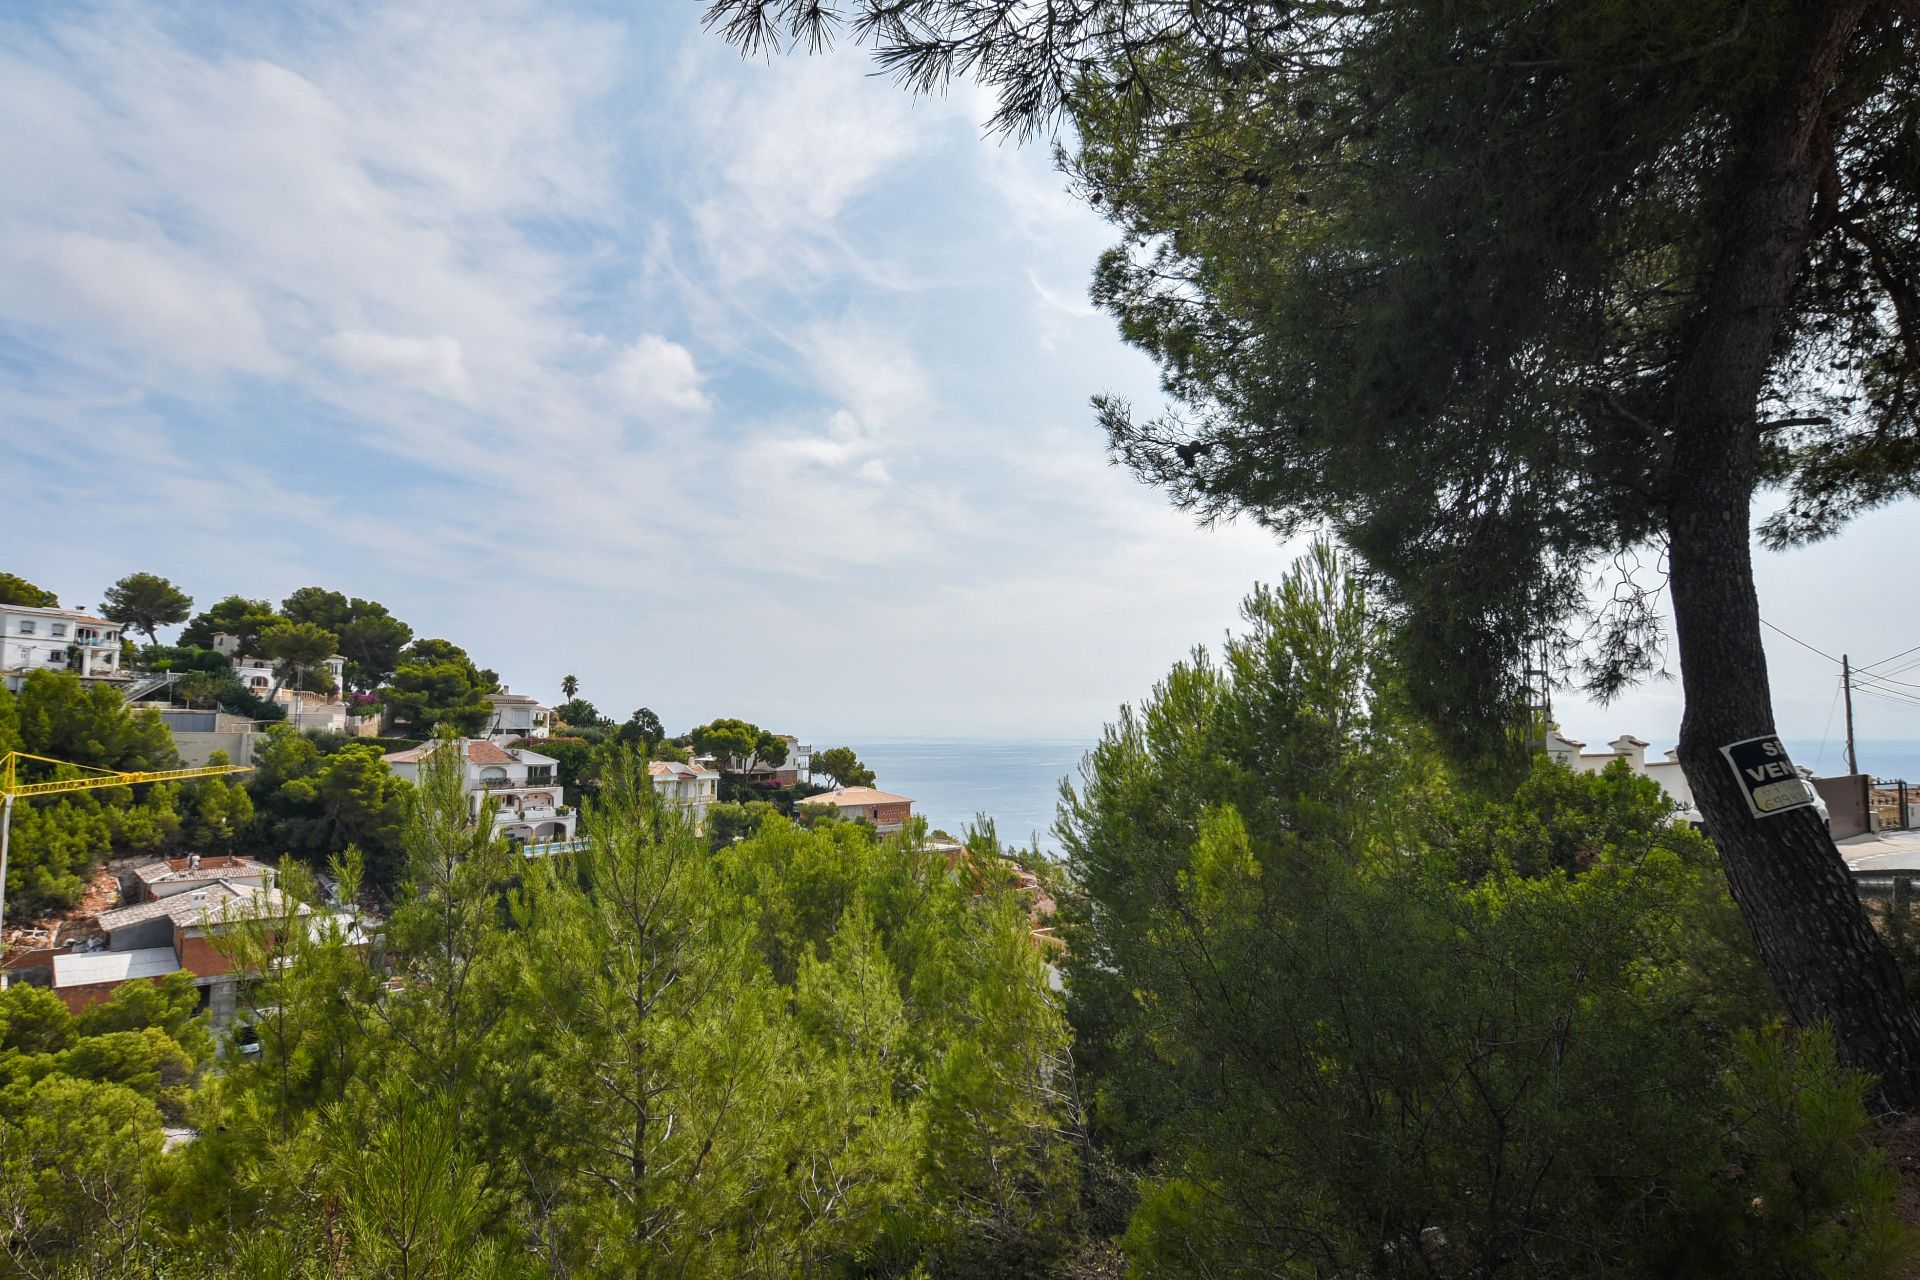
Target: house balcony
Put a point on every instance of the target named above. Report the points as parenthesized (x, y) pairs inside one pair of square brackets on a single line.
[(516, 784), (95, 642), (505, 795)]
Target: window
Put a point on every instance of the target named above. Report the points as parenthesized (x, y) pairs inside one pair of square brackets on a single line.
[(26, 626), (56, 657), (59, 628)]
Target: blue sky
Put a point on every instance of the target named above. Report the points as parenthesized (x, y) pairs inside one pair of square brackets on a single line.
[(733, 387)]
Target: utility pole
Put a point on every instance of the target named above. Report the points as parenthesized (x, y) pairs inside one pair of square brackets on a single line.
[(1846, 683)]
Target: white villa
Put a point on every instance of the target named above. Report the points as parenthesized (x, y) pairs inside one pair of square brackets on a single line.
[(304, 710), (532, 808), (41, 639), (256, 672), (515, 715), (1666, 772), (798, 761), (693, 787)]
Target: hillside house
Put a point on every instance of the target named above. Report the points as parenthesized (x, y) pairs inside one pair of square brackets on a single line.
[(886, 811), (305, 708), (166, 877), (693, 787), (1666, 772), (517, 717), (160, 936), (47, 639), (525, 785)]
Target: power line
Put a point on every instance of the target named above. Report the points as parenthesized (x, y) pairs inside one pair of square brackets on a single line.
[(1861, 677), (1902, 669), (1903, 653), (1802, 643), (1883, 681), (1879, 685), (1826, 734), (1895, 700)]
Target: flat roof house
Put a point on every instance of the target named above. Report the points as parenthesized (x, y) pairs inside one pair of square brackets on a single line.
[(515, 715), (158, 937)]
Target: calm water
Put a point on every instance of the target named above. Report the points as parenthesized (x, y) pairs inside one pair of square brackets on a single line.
[(1880, 758), (1016, 783)]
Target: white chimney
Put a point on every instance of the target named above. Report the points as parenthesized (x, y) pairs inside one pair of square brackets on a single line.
[(1632, 750)]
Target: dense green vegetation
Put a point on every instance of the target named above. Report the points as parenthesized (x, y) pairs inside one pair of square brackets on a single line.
[(15, 589), (1509, 296), (145, 602), (58, 841), (842, 766), (314, 803), (426, 683), (82, 1102), (1340, 1018), (814, 1053), (436, 685), (1327, 1012)]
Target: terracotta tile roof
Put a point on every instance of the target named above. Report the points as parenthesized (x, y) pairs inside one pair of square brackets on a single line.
[(848, 797), (674, 769), (479, 751)]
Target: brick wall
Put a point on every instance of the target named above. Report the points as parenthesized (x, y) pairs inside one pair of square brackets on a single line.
[(198, 953), (79, 998), (882, 815)]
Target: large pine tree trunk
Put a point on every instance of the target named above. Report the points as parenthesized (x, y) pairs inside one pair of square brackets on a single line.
[(1791, 884)]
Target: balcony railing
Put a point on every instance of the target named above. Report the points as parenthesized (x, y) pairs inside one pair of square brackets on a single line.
[(550, 847)]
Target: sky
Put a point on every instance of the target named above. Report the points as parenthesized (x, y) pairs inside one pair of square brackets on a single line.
[(731, 386)]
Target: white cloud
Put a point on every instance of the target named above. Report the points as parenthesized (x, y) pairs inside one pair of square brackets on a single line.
[(150, 298), (655, 377), (873, 370), (396, 232), (798, 142), (434, 365)]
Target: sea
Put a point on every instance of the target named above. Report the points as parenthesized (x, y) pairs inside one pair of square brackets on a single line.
[(1016, 782), (1882, 758)]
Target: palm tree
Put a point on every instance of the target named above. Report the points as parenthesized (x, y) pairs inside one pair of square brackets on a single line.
[(568, 687)]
